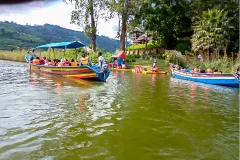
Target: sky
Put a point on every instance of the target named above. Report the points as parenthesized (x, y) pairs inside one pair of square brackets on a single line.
[(53, 12)]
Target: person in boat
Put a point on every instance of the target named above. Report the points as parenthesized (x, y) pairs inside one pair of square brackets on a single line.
[(73, 63), (192, 70), (101, 60), (42, 61), (114, 63), (154, 66), (209, 70), (217, 72), (54, 62), (183, 70), (196, 70), (66, 63), (59, 63), (84, 60), (36, 61), (51, 63), (187, 70), (238, 70), (202, 71), (45, 60)]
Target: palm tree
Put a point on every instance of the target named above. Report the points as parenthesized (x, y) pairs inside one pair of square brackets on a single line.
[(211, 31)]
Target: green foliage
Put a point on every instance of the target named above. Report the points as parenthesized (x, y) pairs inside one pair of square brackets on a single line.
[(182, 47), (224, 64), (150, 45), (173, 56), (132, 57), (86, 14), (13, 35), (211, 31), (167, 20), (171, 21), (94, 56)]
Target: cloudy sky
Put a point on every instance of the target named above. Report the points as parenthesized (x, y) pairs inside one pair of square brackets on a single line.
[(52, 12)]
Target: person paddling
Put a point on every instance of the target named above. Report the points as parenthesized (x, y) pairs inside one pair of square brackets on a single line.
[(154, 66), (32, 54)]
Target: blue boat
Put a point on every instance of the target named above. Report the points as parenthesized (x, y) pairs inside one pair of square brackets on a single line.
[(217, 79)]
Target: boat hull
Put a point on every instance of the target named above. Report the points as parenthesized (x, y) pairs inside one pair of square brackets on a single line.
[(85, 72), (216, 79)]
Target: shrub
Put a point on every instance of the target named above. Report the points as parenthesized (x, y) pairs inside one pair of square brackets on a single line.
[(182, 47), (150, 45), (173, 56)]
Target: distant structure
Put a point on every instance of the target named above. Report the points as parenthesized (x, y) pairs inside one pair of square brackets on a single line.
[(139, 37)]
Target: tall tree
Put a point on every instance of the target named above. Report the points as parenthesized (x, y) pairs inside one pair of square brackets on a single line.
[(125, 10), (232, 8), (212, 31), (86, 15)]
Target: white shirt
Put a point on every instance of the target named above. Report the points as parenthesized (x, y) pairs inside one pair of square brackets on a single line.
[(101, 61)]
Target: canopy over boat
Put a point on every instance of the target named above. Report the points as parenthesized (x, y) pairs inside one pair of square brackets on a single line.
[(63, 45)]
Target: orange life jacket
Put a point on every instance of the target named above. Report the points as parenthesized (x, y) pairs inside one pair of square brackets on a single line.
[(73, 63), (35, 61), (84, 61)]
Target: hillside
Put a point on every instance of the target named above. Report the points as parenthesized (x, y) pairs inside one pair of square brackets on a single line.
[(14, 35)]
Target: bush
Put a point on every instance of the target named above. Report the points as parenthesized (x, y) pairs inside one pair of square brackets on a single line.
[(182, 47), (173, 56), (150, 45), (94, 56)]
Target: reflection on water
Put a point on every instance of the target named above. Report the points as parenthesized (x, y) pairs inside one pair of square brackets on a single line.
[(205, 93), (131, 116)]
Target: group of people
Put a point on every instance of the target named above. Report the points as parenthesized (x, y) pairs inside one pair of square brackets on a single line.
[(55, 62), (196, 70), (84, 60)]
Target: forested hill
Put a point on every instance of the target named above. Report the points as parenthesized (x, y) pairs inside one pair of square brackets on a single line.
[(14, 35)]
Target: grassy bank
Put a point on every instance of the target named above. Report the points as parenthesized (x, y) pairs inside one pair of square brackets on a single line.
[(19, 55), (13, 56)]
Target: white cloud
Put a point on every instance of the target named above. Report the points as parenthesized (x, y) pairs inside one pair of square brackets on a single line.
[(57, 14)]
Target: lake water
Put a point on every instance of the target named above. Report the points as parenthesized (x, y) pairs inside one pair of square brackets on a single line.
[(131, 116)]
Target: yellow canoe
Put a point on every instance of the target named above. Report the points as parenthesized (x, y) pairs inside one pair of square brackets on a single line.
[(134, 71), (117, 69), (150, 72)]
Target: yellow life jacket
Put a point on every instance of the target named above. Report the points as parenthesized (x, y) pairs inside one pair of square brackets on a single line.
[(84, 61)]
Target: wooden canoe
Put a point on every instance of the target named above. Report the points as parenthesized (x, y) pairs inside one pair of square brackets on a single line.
[(208, 78)]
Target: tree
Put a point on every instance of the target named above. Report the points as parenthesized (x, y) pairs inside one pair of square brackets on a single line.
[(212, 31), (125, 10), (232, 8), (86, 16), (168, 20)]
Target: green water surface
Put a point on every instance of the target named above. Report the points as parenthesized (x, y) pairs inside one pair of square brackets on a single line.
[(130, 117)]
